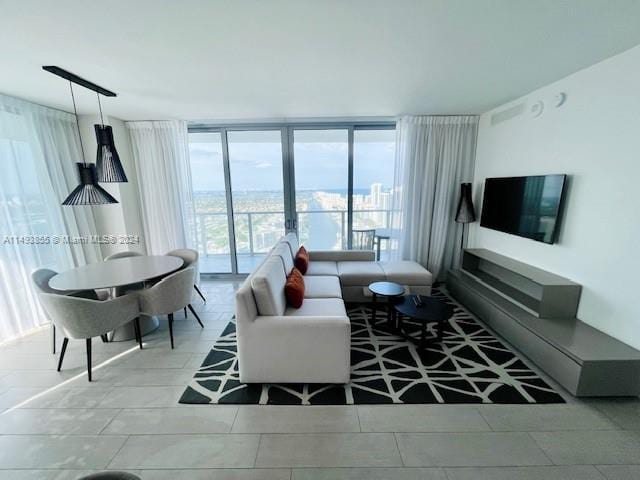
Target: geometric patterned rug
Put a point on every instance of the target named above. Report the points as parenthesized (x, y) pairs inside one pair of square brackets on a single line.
[(469, 365)]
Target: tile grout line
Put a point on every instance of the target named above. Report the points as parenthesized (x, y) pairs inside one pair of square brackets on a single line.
[(110, 421), (479, 410), (255, 460), (117, 452), (395, 438), (600, 472), (608, 417), (358, 416), (551, 462), (233, 423)]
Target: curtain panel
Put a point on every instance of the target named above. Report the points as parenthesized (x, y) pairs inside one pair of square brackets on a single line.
[(434, 155), (39, 148), (161, 157)]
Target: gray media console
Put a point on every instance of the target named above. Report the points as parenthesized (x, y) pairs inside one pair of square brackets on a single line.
[(535, 311)]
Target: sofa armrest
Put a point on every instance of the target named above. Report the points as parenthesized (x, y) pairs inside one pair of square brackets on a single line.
[(295, 349), (342, 255)]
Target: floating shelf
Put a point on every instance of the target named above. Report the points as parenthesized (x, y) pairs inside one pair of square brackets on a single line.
[(535, 311), (541, 293)]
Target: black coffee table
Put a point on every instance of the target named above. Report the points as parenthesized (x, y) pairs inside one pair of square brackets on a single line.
[(392, 292), (432, 310)]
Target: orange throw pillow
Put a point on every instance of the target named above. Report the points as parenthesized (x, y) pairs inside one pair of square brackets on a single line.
[(302, 260), (294, 288)]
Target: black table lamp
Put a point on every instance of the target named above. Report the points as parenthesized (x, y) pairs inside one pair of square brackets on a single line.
[(465, 212)]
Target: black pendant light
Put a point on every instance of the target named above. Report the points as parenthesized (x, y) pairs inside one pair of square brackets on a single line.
[(107, 160), (88, 192)]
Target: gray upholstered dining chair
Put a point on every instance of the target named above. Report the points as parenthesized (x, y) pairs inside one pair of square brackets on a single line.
[(82, 318), (169, 295), (363, 239), (126, 254), (41, 277), (128, 288), (190, 258)]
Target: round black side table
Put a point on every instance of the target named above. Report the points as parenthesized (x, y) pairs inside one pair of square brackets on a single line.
[(111, 476), (429, 310), (389, 290)]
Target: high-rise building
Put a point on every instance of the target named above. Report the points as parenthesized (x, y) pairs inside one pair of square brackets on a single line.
[(376, 190)]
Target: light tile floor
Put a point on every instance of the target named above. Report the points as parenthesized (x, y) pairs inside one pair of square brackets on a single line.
[(56, 426)]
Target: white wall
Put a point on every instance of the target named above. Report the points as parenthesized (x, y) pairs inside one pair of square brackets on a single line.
[(595, 139), (123, 218)]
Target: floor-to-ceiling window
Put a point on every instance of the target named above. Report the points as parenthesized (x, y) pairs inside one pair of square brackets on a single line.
[(257, 193), (373, 179), (252, 184), (321, 165), (210, 199)]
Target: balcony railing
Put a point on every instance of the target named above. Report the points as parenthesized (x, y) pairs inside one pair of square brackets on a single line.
[(256, 232)]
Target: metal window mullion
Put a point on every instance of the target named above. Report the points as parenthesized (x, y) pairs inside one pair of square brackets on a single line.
[(288, 187), (350, 189), (227, 187), (291, 170)]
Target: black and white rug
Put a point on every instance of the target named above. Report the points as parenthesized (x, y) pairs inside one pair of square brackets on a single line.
[(470, 365)]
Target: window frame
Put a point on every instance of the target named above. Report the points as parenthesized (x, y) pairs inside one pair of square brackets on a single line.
[(288, 163)]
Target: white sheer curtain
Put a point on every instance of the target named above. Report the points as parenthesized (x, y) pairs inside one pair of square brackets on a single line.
[(161, 155), (434, 155), (39, 147)]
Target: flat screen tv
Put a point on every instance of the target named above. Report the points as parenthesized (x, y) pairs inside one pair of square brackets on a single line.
[(524, 206)]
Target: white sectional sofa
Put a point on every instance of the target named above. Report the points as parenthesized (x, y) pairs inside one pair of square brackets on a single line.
[(311, 344)]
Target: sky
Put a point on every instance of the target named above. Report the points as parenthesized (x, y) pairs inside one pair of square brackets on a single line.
[(256, 160)]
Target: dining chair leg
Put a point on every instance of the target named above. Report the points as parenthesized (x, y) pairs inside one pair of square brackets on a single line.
[(138, 330), (65, 342), (53, 334), (185, 312), (171, 328), (200, 293), (89, 358), (195, 315)]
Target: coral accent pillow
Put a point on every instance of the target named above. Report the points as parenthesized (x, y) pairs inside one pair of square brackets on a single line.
[(294, 288), (302, 260)]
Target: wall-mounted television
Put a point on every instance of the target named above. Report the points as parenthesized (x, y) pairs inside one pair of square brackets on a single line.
[(525, 206)]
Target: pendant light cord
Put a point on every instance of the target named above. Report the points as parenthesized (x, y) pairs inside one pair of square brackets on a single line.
[(100, 107), (75, 111)]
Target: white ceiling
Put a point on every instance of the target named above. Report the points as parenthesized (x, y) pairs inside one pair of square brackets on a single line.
[(257, 59)]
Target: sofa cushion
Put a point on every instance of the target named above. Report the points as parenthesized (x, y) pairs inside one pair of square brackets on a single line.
[(268, 287), (322, 268), (406, 272), (319, 307), (342, 256), (294, 288), (322, 287), (282, 251), (302, 260), (360, 273)]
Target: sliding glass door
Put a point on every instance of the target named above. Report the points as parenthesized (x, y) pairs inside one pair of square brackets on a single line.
[(251, 185), (321, 166), (373, 178), (257, 193), (210, 199)]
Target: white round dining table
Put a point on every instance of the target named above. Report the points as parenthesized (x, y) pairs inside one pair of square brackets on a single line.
[(119, 272), (116, 273)]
